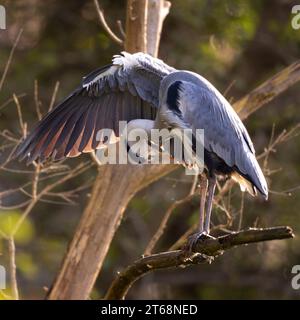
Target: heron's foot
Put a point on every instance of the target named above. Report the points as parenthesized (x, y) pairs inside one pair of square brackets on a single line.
[(194, 238)]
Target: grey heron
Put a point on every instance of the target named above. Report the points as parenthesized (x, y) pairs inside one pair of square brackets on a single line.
[(148, 93)]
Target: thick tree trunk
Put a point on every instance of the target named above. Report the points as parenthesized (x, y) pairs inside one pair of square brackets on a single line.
[(157, 12), (112, 190), (136, 26), (114, 186)]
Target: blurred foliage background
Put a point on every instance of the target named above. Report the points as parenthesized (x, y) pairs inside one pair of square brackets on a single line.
[(236, 44)]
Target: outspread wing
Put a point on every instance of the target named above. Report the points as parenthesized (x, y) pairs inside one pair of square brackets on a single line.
[(205, 108), (125, 90)]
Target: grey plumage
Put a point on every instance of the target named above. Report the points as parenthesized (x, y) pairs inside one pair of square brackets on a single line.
[(203, 106), (136, 86)]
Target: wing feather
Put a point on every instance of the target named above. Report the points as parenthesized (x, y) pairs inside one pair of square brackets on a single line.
[(89, 127), (125, 90)]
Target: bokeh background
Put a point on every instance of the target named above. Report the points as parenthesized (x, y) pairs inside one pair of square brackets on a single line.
[(234, 44)]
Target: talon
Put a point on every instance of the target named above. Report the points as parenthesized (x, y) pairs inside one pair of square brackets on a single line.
[(194, 238)]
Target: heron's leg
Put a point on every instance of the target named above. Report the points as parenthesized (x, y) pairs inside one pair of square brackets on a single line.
[(200, 234), (212, 181), (203, 190)]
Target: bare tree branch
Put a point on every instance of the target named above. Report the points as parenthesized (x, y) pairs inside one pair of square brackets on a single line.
[(10, 58), (122, 31), (105, 25), (241, 213), (23, 125), (8, 101), (12, 267), (205, 251), (284, 136), (35, 198), (36, 100), (268, 90), (54, 94)]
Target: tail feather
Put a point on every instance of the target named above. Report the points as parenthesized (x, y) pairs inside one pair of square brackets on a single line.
[(245, 185), (254, 176)]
